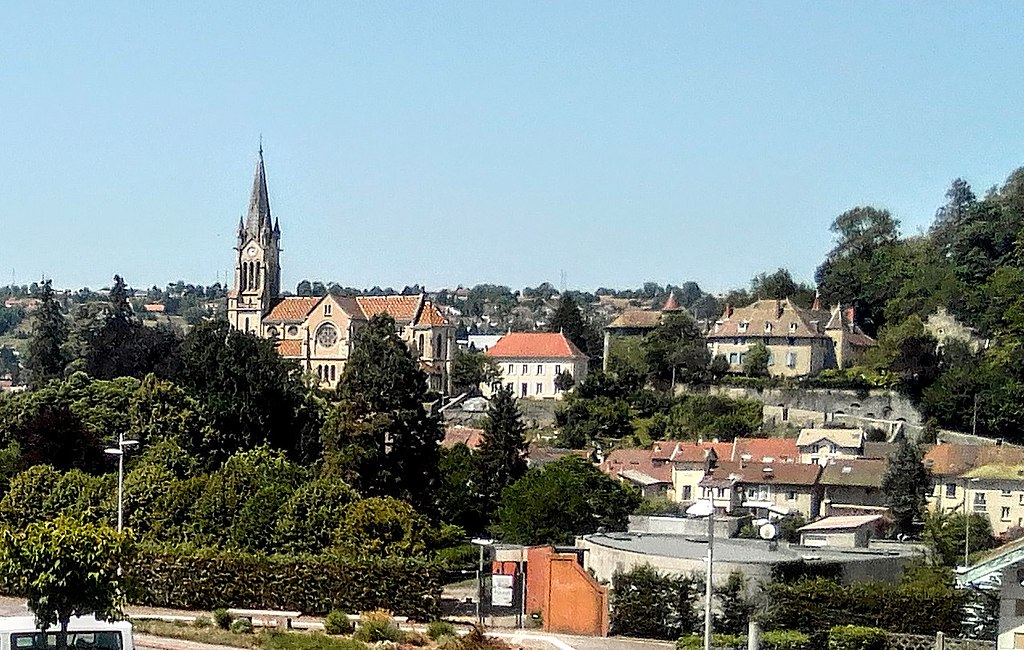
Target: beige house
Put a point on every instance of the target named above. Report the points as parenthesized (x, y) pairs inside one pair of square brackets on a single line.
[(637, 322), (767, 490), (530, 362), (853, 486), (800, 341), (822, 446), (988, 480), (853, 531), (318, 332)]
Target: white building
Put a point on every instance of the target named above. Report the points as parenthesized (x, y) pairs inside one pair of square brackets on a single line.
[(530, 361)]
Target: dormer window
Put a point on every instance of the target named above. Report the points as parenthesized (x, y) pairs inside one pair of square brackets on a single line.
[(743, 325), (767, 328), (792, 327)]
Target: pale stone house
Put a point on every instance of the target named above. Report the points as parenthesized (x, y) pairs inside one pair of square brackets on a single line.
[(824, 445), (800, 341), (319, 331), (530, 362)]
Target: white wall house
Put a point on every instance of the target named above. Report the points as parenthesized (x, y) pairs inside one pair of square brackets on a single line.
[(530, 361)]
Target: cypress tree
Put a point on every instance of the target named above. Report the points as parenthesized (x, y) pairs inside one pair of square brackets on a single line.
[(46, 354), (501, 457)]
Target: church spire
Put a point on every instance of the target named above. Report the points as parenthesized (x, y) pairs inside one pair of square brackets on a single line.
[(259, 200)]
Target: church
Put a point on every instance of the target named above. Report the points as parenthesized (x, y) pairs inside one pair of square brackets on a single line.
[(318, 332)]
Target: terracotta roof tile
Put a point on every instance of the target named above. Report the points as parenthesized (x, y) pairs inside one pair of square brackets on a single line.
[(534, 345), (292, 308), (402, 308), (431, 315), (456, 434), (690, 452), (289, 348), (950, 459), (778, 473), (766, 450), (857, 472), (637, 460), (636, 319)]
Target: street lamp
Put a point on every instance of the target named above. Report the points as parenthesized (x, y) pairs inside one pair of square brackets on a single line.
[(482, 543), (118, 451), (967, 522), (706, 508)]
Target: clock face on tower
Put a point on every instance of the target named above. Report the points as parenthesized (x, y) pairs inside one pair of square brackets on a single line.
[(327, 335), (251, 252)]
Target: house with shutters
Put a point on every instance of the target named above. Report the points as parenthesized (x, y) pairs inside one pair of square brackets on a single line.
[(530, 362), (800, 341), (318, 332)]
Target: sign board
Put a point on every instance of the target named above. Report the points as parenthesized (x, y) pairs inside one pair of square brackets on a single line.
[(501, 590)]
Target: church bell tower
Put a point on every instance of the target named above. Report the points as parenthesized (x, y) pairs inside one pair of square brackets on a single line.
[(257, 260)]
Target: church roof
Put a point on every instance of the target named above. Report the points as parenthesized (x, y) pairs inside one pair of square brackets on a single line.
[(289, 348), (259, 201), (431, 315), (402, 308), (292, 308)]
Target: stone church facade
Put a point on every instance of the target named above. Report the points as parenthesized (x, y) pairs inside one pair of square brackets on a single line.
[(318, 332)]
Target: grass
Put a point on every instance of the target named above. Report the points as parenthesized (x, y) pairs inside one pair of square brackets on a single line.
[(265, 640)]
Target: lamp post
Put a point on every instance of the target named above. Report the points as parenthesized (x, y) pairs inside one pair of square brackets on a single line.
[(118, 451), (482, 543), (706, 508), (967, 522)]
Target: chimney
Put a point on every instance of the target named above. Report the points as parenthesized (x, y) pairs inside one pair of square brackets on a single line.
[(850, 313), (817, 302), (778, 309)]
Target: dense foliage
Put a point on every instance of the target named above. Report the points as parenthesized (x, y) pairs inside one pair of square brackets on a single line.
[(652, 605)]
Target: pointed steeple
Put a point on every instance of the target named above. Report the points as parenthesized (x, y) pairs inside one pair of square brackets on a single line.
[(671, 304), (259, 201)]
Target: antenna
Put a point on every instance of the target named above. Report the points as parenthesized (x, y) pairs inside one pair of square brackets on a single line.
[(562, 276)]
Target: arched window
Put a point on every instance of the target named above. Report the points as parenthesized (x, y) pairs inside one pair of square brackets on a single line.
[(259, 275), (333, 369), (421, 350), (241, 277), (320, 372)]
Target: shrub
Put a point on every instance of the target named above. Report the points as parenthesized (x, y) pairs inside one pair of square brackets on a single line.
[(222, 618), (437, 629), (274, 640), (241, 626), (719, 641), (856, 637), (377, 626), (785, 640), (337, 623), (650, 605), (202, 621)]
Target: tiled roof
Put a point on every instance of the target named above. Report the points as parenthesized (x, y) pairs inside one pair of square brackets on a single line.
[(845, 522), (785, 318), (637, 460), (766, 450), (292, 308), (636, 319), (878, 449), (431, 315), (690, 452), (402, 308), (534, 345), (671, 304), (777, 473), (643, 478), (855, 472), (849, 438), (289, 348), (469, 436)]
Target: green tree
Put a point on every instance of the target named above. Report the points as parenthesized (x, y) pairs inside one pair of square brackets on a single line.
[(568, 320), (310, 519), (471, 368), (383, 527), (383, 429), (555, 503), (779, 286), (946, 534), (906, 484), (501, 457), (910, 352), (248, 393), (676, 350), (652, 605), (47, 357), (458, 497), (755, 363), (564, 381), (734, 605), (65, 568)]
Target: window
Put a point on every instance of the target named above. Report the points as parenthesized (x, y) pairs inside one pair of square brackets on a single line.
[(791, 359), (1005, 493), (522, 389), (327, 309), (1004, 514), (743, 357), (334, 374), (792, 327), (511, 368), (687, 492), (540, 388), (791, 496), (526, 369), (734, 358), (771, 359), (979, 502), (540, 369), (768, 328), (97, 640), (1022, 499), (721, 493), (950, 490), (422, 343), (558, 370), (743, 325)]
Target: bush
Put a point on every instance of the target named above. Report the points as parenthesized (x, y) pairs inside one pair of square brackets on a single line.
[(437, 629), (377, 626), (718, 641), (182, 578), (651, 605), (785, 640), (855, 637), (274, 640), (222, 618), (241, 626), (202, 621), (337, 623)]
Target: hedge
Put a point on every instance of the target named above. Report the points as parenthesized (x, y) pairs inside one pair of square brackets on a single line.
[(785, 640), (313, 584), (855, 637)]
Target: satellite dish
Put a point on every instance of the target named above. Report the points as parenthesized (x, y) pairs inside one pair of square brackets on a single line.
[(767, 531)]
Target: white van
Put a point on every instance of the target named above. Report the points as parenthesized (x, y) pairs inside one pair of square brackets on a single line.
[(84, 633)]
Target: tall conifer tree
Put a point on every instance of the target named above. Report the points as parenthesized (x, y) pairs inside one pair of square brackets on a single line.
[(46, 354), (502, 453)]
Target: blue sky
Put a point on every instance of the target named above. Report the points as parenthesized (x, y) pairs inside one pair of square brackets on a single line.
[(467, 142)]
